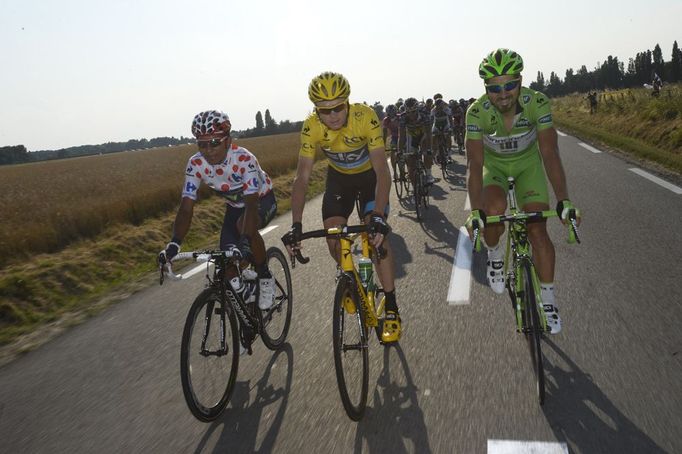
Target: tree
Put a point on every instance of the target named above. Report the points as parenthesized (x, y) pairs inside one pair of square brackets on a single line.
[(270, 123), (259, 121), (379, 109), (539, 84), (676, 64), (658, 60), (13, 155)]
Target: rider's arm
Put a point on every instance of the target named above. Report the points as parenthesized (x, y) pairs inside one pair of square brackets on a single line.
[(300, 186), (549, 149), (380, 166), (474, 149), (183, 219)]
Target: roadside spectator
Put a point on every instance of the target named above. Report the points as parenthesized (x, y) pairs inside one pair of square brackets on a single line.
[(657, 83), (592, 98)]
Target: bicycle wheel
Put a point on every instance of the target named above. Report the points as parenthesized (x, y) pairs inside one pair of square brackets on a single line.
[(533, 328), (397, 182), (208, 365), (417, 192), (404, 177), (275, 321), (350, 349), (443, 160)]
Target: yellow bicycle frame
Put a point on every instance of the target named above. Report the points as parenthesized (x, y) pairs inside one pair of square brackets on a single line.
[(348, 266)]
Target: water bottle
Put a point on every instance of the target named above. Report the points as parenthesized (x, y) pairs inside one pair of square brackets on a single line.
[(365, 270)]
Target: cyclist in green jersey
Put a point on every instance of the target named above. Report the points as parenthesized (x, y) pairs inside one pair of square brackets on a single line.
[(510, 133)]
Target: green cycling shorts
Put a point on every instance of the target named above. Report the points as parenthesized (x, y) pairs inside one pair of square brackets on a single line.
[(528, 172)]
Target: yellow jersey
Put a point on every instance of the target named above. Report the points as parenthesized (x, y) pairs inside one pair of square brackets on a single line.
[(347, 149)]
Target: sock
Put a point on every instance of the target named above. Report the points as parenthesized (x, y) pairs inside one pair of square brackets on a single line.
[(495, 253), (390, 304), (547, 293), (428, 172)]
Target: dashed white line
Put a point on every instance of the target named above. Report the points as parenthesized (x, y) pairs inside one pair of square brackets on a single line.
[(589, 147), (561, 133), (460, 278), (526, 447), (467, 204), (200, 268), (658, 181)]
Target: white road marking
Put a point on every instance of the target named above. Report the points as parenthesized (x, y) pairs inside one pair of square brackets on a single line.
[(201, 267), (658, 181), (467, 204), (526, 447), (460, 278), (588, 147), (561, 133)]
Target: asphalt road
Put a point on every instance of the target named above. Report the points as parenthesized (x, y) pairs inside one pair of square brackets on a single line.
[(461, 379)]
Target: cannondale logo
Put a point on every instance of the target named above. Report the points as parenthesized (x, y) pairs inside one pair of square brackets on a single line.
[(235, 304)]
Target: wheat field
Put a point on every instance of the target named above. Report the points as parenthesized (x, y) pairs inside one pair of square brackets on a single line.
[(47, 205)]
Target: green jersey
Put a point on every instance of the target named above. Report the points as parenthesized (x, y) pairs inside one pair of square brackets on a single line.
[(484, 121)]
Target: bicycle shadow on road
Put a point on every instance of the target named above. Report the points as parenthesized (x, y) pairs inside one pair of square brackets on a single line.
[(396, 423), (241, 420), (401, 254), (583, 416)]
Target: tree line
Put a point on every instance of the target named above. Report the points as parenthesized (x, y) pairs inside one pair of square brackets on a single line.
[(613, 73), (18, 154), (268, 126)]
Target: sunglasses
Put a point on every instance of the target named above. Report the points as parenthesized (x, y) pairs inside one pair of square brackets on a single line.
[(328, 110), (210, 143), (497, 88)]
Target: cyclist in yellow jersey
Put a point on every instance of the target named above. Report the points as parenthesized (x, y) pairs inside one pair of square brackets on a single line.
[(509, 132), (350, 135)]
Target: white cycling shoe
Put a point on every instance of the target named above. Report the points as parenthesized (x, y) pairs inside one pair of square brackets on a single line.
[(553, 319), (495, 275), (266, 295)]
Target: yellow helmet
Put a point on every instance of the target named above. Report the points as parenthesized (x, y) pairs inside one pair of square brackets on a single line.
[(328, 86)]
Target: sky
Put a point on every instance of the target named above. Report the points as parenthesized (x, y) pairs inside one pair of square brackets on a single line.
[(78, 72)]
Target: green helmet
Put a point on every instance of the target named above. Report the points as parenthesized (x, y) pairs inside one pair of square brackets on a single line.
[(500, 62)]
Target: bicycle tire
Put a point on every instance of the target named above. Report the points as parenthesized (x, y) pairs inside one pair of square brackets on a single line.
[(418, 189), (443, 160), (397, 182), (533, 328), (404, 177), (208, 305), (354, 405), (281, 309)]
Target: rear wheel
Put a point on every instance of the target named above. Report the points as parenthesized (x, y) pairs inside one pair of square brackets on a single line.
[(350, 348), (397, 178), (533, 328), (276, 320), (209, 361)]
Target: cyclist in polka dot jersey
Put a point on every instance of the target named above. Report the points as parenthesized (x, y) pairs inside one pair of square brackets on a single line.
[(234, 173)]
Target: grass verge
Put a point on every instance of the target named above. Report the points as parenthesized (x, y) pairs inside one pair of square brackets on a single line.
[(53, 291)]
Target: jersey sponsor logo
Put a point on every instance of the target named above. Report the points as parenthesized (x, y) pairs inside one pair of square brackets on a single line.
[(358, 115), (486, 105), (305, 131), (374, 123), (545, 119), (190, 188), (353, 141), (526, 99), (350, 159), (540, 100), (189, 170), (522, 123), (473, 128), (308, 146)]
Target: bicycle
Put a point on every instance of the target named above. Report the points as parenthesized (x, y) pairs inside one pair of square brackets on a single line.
[(400, 177), (442, 155), (220, 319), (420, 188), (458, 135), (522, 282), (355, 288)]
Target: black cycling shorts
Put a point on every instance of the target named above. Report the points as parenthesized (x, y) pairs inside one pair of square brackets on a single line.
[(267, 208), (343, 189)]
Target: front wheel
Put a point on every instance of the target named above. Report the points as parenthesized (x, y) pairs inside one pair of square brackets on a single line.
[(350, 348), (276, 320), (209, 355), (533, 328)]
